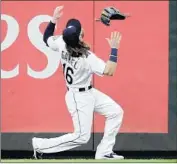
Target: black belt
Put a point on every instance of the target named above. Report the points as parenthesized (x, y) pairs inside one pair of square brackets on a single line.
[(83, 89)]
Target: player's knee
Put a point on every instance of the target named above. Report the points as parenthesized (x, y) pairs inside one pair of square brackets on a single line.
[(83, 138), (118, 112), (76, 135)]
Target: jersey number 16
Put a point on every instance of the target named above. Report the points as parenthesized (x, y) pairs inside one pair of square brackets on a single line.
[(68, 71)]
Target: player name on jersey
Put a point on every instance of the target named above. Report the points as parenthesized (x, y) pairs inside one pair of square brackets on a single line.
[(71, 60)]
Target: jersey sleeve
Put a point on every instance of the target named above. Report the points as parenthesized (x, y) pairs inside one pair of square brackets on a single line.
[(97, 65), (53, 42)]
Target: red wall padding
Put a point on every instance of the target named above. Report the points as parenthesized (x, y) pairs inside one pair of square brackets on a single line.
[(140, 85)]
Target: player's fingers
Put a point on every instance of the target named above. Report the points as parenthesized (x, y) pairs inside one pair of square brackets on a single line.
[(60, 14), (118, 35), (113, 41), (112, 35), (118, 40), (115, 34), (59, 8)]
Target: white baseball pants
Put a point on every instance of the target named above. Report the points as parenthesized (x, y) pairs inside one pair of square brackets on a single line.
[(81, 106)]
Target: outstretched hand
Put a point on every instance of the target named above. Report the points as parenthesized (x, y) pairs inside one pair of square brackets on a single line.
[(57, 14), (115, 39)]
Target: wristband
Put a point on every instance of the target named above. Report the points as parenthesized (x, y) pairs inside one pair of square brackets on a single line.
[(114, 51), (113, 56)]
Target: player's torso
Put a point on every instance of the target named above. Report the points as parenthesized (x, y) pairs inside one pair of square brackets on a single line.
[(76, 70)]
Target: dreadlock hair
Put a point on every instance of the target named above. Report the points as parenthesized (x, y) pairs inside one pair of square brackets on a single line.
[(82, 49)]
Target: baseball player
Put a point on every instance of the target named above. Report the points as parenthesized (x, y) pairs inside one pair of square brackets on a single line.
[(79, 64)]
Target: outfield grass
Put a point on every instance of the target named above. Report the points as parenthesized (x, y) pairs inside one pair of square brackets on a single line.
[(90, 161)]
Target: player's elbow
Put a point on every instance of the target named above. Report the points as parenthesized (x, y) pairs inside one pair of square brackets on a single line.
[(45, 39), (108, 73), (111, 74), (110, 68)]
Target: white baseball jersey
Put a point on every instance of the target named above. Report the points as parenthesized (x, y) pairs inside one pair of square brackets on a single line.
[(78, 71)]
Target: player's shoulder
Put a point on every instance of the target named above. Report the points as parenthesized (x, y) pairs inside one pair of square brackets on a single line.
[(58, 38), (91, 58), (91, 55)]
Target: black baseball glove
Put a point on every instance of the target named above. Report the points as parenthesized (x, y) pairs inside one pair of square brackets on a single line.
[(111, 13)]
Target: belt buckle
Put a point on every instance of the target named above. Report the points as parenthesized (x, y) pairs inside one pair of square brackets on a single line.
[(82, 89)]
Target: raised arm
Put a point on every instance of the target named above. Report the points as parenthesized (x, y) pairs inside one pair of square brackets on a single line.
[(49, 31), (111, 64)]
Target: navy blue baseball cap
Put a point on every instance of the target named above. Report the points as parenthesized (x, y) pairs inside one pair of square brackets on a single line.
[(72, 32)]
